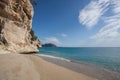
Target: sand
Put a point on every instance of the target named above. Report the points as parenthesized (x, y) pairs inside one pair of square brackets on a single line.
[(15, 66), (96, 71)]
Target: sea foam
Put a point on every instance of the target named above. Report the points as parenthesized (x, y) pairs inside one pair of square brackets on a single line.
[(49, 56)]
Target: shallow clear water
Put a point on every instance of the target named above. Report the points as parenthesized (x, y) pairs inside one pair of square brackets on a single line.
[(105, 57)]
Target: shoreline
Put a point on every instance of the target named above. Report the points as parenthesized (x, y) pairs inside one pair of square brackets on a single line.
[(92, 70)]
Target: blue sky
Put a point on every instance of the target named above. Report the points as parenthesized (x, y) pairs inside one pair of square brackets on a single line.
[(78, 23)]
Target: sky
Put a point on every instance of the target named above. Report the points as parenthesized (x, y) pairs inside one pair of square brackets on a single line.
[(78, 23)]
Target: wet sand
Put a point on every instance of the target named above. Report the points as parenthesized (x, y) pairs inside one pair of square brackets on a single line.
[(95, 71)]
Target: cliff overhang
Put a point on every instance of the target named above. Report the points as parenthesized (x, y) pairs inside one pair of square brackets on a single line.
[(16, 32)]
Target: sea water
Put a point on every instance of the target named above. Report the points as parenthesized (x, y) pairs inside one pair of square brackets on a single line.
[(107, 57)]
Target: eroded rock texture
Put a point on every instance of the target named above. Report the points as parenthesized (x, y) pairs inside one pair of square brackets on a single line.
[(15, 26)]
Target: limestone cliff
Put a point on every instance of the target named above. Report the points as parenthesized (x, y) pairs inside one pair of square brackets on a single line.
[(15, 26)]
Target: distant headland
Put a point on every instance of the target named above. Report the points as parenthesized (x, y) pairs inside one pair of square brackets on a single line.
[(49, 45)]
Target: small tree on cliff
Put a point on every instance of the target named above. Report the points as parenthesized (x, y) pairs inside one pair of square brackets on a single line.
[(34, 2)]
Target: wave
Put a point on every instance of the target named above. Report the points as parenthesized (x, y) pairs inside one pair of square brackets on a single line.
[(49, 56)]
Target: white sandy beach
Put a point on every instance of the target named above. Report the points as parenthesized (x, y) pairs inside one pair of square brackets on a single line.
[(31, 67)]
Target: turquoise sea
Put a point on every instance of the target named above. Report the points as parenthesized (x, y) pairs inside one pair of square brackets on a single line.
[(107, 57)]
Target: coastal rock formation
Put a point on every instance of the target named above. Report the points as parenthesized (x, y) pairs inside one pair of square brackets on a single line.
[(15, 26)]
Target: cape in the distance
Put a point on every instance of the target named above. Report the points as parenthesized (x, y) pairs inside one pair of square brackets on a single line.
[(49, 45)]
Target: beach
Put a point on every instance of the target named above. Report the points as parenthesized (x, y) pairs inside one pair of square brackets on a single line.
[(97, 72), (46, 40), (100, 63), (31, 67)]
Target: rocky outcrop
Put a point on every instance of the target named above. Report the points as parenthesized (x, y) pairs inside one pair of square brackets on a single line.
[(15, 26)]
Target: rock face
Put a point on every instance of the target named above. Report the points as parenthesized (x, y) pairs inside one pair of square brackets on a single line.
[(15, 26)]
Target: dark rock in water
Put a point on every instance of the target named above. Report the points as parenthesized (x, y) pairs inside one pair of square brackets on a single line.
[(16, 26), (49, 45)]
